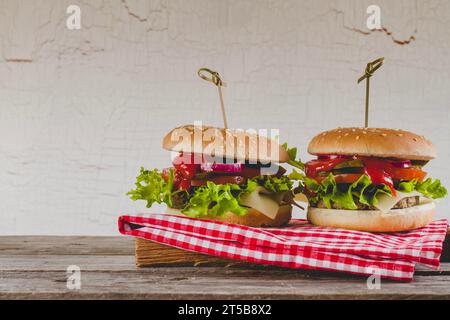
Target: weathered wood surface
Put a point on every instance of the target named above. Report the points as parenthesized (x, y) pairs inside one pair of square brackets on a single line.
[(66, 245), (214, 283), (29, 268)]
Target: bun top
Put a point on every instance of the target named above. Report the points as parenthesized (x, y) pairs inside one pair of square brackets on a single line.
[(225, 143), (373, 142)]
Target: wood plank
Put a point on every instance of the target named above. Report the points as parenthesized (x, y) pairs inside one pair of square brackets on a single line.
[(43, 263), (101, 263), (444, 269), (152, 254), (445, 256), (66, 245), (149, 253), (213, 283)]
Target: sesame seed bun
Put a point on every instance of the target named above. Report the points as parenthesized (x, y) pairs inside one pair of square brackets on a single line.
[(373, 142), (395, 220), (253, 218), (224, 143)]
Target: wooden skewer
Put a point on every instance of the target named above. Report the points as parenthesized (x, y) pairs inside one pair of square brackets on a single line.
[(215, 79), (370, 69)]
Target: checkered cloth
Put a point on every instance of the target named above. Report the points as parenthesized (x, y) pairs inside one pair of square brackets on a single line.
[(298, 245)]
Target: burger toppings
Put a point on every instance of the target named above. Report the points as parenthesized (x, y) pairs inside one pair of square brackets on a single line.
[(203, 187), (366, 183), (188, 173)]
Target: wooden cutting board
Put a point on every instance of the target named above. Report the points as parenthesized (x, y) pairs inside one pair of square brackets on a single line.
[(152, 254)]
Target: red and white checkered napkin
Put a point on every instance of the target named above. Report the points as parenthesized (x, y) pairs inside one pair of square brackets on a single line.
[(298, 245)]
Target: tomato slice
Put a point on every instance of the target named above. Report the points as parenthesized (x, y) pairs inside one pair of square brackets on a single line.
[(408, 174), (312, 168), (187, 170), (184, 184), (347, 177), (188, 158), (166, 174)]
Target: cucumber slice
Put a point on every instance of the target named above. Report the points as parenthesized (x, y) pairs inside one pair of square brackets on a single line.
[(350, 164)]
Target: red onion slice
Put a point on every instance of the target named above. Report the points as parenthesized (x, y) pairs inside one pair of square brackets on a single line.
[(402, 164), (332, 157), (222, 167)]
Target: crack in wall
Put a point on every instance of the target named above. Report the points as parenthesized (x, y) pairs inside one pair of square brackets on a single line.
[(14, 60), (131, 13), (382, 29), (143, 19), (387, 32)]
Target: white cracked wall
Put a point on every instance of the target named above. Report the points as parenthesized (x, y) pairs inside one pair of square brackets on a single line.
[(80, 111)]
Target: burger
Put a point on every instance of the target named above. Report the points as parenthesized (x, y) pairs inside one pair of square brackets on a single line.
[(222, 174), (370, 179)]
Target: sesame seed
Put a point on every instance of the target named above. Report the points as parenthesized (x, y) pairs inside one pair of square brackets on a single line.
[(346, 134), (353, 130), (357, 137), (384, 134), (400, 134), (364, 132), (415, 139)]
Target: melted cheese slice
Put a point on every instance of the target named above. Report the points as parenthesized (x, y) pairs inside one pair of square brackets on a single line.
[(386, 203), (301, 197), (261, 200)]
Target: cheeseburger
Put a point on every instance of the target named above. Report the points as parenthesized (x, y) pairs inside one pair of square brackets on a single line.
[(222, 174), (370, 179)]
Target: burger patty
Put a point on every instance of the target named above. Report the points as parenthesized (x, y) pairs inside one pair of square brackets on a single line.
[(179, 200), (402, 204)]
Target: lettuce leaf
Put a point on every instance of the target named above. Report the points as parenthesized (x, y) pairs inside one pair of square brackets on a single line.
[(431, 189), (292, 153), (344, 195), (372, 193), (151, 187), (273, 183), (407, 186), (214, 200)]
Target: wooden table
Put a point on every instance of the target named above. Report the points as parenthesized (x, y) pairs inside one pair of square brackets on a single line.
[(35, 268)]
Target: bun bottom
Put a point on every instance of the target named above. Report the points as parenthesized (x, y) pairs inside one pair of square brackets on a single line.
[(253, 218), (373, 220)]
